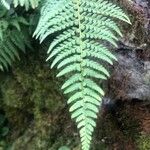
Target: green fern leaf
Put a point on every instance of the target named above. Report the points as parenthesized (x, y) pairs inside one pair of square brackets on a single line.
[(82, 28), (9, 47), (5, 4), (11, 40), (27, 3)]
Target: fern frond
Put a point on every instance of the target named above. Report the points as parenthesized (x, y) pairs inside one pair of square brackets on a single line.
[(12, 40), (81, 27), (10, 46), (26, 3)]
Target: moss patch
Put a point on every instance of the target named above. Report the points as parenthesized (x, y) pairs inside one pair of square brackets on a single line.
[(143, 142)]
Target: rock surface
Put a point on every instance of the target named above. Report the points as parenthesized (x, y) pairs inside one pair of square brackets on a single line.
[(132, 75)]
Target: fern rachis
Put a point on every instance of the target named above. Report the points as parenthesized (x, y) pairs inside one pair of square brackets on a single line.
[(81, 27)]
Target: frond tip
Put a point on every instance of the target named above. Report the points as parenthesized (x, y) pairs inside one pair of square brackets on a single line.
[(81, 26)]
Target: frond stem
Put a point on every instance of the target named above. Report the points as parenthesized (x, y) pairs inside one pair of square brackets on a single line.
[(81, 59)]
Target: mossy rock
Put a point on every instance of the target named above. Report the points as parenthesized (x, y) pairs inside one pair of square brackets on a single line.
[(27, 92), (50, 135), (13, 94)]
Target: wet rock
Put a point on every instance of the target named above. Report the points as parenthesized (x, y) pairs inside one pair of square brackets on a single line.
[(131, 77)]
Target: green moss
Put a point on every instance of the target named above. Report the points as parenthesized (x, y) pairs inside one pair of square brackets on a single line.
[(28, 92), (13, 94), (143, 142), (40, 84)]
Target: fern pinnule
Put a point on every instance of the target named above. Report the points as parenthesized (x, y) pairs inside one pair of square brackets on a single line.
[(26, 3), (80, 28), (5, 4)]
